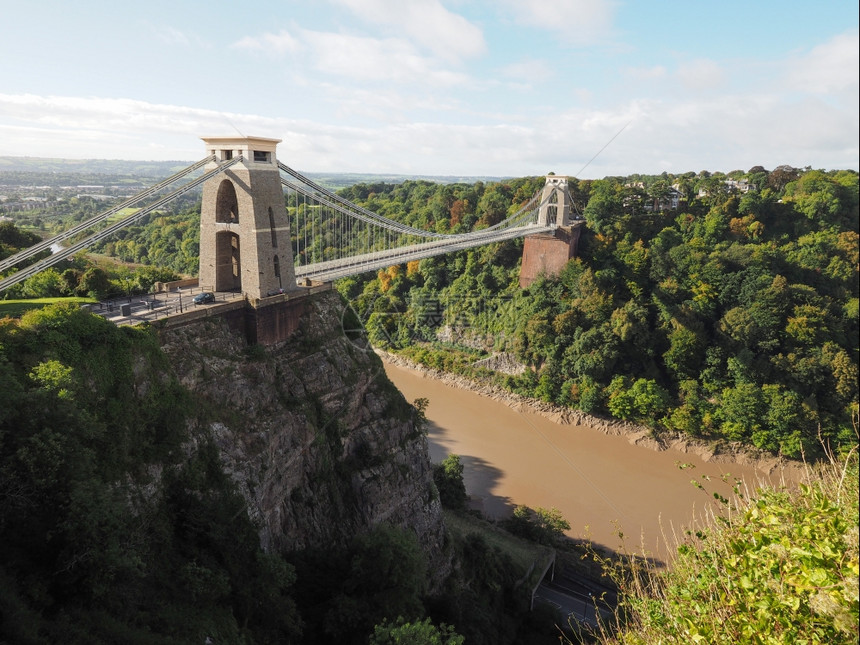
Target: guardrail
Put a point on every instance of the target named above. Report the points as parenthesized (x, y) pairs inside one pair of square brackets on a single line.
[(133, 310), (165, 306)]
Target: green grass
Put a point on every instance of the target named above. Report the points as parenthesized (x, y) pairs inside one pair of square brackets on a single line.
[(121, 214), (16, 308), (523, 553)]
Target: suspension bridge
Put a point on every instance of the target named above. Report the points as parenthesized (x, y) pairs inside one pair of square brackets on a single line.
[(265, 228)]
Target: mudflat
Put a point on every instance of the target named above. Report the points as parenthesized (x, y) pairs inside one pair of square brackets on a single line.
[(605, 486)]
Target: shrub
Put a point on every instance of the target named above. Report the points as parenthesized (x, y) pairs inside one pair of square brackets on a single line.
[(780, 567), (448, 477)]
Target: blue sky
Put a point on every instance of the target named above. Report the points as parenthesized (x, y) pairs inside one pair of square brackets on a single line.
[(438, 87)]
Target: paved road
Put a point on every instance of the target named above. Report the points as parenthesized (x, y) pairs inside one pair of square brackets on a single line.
[(578, 599), (155, 306), (573, 608)]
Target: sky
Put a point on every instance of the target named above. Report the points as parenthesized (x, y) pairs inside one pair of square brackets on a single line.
[(503, 88)]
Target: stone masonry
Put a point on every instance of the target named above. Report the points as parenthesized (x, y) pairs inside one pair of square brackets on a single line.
[(548, 254), (244, 229)]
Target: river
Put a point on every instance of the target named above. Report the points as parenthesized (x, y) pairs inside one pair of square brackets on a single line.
[(602, 484)]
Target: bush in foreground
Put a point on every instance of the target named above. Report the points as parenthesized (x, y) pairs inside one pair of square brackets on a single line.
[(779, 567)]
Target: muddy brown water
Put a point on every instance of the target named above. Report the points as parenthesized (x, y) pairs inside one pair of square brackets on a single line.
[(611, 491)]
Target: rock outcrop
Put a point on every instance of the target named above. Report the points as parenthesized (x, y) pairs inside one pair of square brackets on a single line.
[(318, 440)]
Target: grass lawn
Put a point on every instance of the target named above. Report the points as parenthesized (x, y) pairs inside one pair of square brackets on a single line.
[(15, 308), (122, 214)]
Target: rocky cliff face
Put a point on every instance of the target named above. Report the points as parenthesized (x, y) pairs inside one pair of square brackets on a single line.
[(321, 444)]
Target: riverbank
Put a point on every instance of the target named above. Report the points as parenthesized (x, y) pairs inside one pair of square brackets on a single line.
[(620, 488), (637, 435)]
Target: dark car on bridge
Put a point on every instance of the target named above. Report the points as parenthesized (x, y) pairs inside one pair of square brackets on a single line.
[(203, 298)]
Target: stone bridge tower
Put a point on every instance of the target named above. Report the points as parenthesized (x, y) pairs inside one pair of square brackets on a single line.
[(244, 229), (555, 200), (548, 253)]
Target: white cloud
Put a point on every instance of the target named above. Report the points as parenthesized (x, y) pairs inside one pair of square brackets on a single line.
[(173, 36), (354, 58), (282, 42), (645, 73), (425, 22), (362, 58), (833, 66), (723, 132), (701, 75), (79, 127), (580, 21), (529, 72), (384, 104)]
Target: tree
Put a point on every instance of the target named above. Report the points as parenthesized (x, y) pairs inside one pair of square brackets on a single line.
[(414, 633), (12, 238), (493, 205), (659, 192), (448, 477), (603, 207), (619, 400), (95, 283), (742, 410), (780, 177), (649, 399), (685, 354), (386, 577), (45, 284), (542, 525)]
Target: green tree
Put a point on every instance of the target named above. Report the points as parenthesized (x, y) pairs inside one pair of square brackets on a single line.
[(684, 356), (45, 284), (13, 239), (604, 207), (414, 633), (542, 525), (95, 283), (649, 399), (741, 408), (385, 577), (493, 205), (448, 477)]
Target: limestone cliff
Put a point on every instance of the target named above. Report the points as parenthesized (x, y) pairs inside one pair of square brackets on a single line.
[(318, 440)]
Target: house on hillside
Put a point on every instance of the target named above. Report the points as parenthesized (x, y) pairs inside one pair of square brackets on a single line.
[(669, 201)]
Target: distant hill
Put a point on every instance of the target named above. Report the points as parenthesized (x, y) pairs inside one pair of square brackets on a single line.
[(92, 166), (162, 169)]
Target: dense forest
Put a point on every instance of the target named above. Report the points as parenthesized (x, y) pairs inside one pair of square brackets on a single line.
[(733, 317)]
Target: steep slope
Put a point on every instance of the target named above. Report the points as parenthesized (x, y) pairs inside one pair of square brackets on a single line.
[(321, 444)]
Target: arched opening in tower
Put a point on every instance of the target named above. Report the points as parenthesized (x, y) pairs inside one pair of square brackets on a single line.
[(228, 262), (227, 204)]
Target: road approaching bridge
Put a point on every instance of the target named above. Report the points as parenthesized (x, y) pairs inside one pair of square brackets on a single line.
[(132, 310)]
